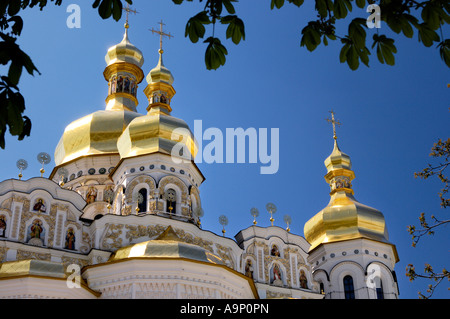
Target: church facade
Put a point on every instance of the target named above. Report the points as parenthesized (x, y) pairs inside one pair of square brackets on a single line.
[(119, 218)]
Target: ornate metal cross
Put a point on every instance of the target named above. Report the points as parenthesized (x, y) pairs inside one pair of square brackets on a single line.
[(161, 35), (334, 122), (128, 10)]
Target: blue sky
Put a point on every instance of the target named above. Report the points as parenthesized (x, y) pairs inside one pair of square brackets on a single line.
[(391, 116)]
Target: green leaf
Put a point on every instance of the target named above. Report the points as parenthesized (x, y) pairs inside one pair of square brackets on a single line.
[(236, 28), (105, 9), (385, 49), (14, 7), (17, 26), (311, 37), (430, 15), (117, 9), (276, 3), (357, 33), (361, 3), (14, 73), (406, 28), (229, 6), (195, 26), (343, 53), (298, 3), (215, 54), (444, 51), (341, 8), (427, 36), (26, 128), (322, 8), (352, 58)]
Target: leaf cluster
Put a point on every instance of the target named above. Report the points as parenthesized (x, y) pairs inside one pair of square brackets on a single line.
[(397, 15), (215, 11), (429, 273), (403, 17), (440, 152)]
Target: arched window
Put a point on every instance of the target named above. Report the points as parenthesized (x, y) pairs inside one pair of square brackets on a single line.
[(322, 288), (142, 200), (171, 198), (126, 85), (380, 293), (275, 251), (120, 84), (348, 288)]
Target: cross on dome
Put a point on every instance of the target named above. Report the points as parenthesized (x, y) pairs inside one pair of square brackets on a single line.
[(334, 122), (161, 35), (128, 10)]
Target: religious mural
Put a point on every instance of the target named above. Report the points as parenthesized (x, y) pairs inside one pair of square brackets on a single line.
[(2, 226), (275, 251), (39, 206), (276, 275), (70, 239), (249, 268), (303, 280), (122, 84), (36, 233), (91, 195)]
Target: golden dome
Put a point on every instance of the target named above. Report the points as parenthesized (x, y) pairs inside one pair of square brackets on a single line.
[(344, 218), (160, 73), (155, 132), (168, 245), (97, 133), (93, 134), (32, 267), (124, 52), (158, 131)]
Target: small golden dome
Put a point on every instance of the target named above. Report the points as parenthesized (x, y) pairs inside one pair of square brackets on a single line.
[(156, 132), (97, 133), (168, 245), (160, 73), (344, 218), (94, 134), (32, 267), (124, 52)]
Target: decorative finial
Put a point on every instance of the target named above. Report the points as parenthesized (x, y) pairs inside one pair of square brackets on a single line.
[(139, 199), (21, 165), (272, 209), (161, 35), (128, 10), (288, 221), (63, 173), (198, 212), (223, 220), (334, 122), (255, 213), (171, 197), (44, 159)]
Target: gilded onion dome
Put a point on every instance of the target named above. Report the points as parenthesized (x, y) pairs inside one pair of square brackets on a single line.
[(169, 246), (344, 218), (97, 133), (124, 52), (158, 131)]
